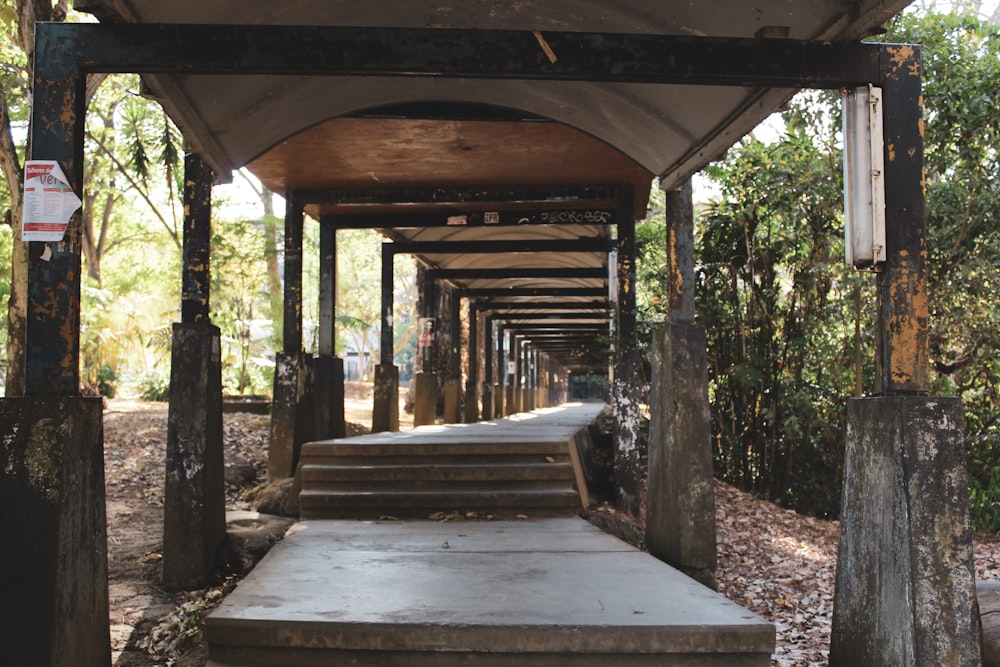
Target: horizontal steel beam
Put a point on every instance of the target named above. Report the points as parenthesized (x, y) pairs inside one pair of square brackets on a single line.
[(502, 307), (486, 274), (479, 197), (440, 53), (500, 215), (555, 292), (502, 247)]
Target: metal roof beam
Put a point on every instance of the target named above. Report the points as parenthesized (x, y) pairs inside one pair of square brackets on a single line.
[(451, 53)]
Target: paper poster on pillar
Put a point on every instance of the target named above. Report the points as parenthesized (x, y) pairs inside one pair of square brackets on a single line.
[(49, 201)]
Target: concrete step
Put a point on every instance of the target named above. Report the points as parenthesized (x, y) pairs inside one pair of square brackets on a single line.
[(454, 594), (319, 504), (466, 476), (440, 452)]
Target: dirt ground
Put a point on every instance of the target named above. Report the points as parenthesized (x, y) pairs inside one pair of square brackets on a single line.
[(151, 626)]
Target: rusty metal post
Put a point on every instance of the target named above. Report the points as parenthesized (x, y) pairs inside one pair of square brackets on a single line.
[(195, 277), (385, 411), (52, 346), (292, 321), (516, 397), (293, 418), (487, 391), (328, 368), (453, 385), (194, 504), (906, 591), (901, 333), (472, 378)]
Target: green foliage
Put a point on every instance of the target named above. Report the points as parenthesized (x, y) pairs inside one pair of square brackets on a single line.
[(777, 305), (154, 386), (240, 304)]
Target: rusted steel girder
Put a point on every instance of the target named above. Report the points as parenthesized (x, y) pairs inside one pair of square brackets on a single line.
[(196, 274), (52, 346), (327, 289), (292, 323), (680, 253), (454, 53), (902, 354), (385, 332)]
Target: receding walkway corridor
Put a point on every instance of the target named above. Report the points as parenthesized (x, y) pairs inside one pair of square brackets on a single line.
[(540, 591)]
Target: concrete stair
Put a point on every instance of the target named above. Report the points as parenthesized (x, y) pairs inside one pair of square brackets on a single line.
[(543, 593), (416, 474)]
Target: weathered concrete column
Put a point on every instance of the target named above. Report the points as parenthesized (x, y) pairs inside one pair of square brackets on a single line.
[(905, 578), (194, 512), (905, 590), (385, 411), (453, 385), (194, 503), (626, 391), (293, 414), (472, 378), (54, 573), (54, 550), (680, 512), (328, 369)]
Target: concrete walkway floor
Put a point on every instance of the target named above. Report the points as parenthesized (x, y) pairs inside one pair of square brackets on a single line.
[(422, 593), (539, 591)]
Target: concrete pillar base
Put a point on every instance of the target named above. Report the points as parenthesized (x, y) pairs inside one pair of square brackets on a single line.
[(498, 396), (487, 402), (385, 412), (680, 511), (509, 405), (425, 397), (194, 502), (293, 416), (906, 590), (452, 402), (328, 374), (54, 548), (527, 400), (471, 412), (627, 425)]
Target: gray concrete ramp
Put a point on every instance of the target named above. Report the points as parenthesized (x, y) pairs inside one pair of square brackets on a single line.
[(538, 592)]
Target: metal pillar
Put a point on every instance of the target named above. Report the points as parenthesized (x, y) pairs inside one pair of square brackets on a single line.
[(905, 579), (292, 409), (194, 511), (425, 384), (488, 368), (472, 380), (328, 367), (453, 385), (385, 412)]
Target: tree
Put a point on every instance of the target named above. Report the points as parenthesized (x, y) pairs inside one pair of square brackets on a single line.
[(777, 304)]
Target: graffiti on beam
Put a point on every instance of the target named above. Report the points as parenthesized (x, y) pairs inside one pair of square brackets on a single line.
[(588, 217)]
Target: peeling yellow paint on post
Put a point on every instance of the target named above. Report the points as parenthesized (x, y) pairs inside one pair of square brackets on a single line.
[(891, 150)]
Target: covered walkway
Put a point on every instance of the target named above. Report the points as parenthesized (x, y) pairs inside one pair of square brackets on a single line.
[(539, 591)]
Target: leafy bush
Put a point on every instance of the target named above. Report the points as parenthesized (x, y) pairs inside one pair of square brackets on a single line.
[(154, 387)]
